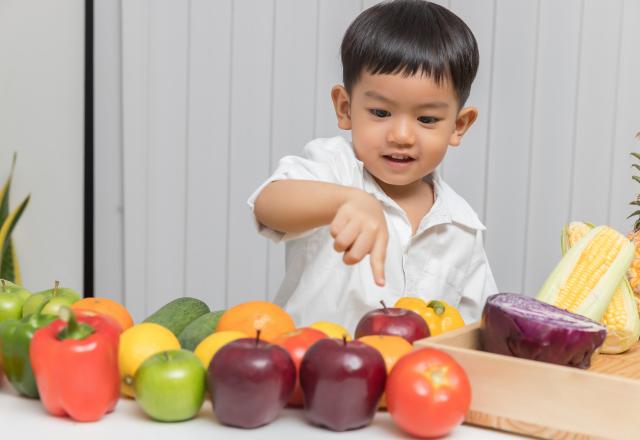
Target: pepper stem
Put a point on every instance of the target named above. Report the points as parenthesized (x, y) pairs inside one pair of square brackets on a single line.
[(437, 306), (344, 340), (74, 329), (383, 305), (56, 284), (40, 307), (258, 336)]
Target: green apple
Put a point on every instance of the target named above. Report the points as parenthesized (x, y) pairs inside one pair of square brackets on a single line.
[(57, 297), (12, 299), (170, 385)]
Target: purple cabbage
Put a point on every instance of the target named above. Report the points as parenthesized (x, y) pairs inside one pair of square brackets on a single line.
[(517, 325)]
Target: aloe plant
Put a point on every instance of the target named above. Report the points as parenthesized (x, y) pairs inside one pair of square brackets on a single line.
[(9, 267)]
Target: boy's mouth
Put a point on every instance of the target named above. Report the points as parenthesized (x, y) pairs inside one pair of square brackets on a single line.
[(398, 158)]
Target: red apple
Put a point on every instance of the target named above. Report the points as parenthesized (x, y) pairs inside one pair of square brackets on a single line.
[(297, 343), (342, 382), (250, 381), (393, 321)]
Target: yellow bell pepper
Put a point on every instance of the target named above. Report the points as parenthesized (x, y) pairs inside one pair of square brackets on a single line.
[(450, 317), (439, 316)]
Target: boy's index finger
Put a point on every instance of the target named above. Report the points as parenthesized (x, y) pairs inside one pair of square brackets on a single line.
[(377, 258)]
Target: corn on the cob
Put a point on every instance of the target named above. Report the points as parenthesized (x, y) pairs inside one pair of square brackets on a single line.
[(621, 317), (585, 280)]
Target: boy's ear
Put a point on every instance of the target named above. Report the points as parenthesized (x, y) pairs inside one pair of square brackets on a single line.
[(466, 117), (342, 105)]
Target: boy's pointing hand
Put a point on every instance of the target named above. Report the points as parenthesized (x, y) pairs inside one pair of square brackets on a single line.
[(358, 229)]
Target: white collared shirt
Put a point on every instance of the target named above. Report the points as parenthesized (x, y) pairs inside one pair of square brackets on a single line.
[(445, 259)]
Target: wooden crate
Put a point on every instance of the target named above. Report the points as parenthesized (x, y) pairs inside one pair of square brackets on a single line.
[(545, 400)]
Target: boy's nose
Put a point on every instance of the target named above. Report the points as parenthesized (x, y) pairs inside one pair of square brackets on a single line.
[(401, 132)]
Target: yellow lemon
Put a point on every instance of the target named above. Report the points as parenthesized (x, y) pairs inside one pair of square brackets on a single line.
[(210, 345), (137, 343), (332, 330)]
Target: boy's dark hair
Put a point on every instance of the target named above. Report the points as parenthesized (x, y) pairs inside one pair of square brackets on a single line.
[(409, 37)]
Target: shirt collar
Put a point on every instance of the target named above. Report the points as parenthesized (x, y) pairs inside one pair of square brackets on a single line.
[(448, 206), (458, 209)]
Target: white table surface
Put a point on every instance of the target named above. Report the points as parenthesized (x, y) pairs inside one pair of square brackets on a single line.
[(28, 418)]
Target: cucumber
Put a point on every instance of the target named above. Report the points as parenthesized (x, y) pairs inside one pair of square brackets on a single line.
[(178, 314), (199, 329)]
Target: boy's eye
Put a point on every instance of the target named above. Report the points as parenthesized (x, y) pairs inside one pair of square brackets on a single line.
[(379, 113), (428, 119)]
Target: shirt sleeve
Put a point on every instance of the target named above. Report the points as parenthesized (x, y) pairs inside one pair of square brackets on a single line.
[(324, 160), (479, 283)]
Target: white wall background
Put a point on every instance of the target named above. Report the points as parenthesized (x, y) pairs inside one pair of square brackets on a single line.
[(197, 100), (41, 117)]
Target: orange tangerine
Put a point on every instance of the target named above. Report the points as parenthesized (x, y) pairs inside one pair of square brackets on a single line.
[(251, 316), (107, 307), (392, 348)]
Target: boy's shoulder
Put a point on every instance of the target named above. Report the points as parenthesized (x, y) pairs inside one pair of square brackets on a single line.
[(461, 211), (336, 157), (327, 147)]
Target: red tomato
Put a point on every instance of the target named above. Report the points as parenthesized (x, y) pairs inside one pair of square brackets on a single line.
[(296, 343), (428, 393)]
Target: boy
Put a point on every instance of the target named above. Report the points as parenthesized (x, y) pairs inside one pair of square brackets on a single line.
[(408, 66)]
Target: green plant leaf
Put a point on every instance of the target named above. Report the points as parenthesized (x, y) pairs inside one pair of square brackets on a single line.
[(634, 213), (636, 155), (636, 178), (16, 267), (635, 202), (636, 166), (9, 270), (8, 225), (4, 193)]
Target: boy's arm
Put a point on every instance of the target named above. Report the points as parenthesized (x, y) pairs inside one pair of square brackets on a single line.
[(299, 205), (356, 218)]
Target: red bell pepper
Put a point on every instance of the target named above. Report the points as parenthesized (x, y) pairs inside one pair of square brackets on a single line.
[(75, 363)]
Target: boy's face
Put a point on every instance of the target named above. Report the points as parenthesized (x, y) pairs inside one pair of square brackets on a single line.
[(401, 126)]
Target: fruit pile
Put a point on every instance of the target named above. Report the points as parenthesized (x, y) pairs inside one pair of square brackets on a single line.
[(251, 360)]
